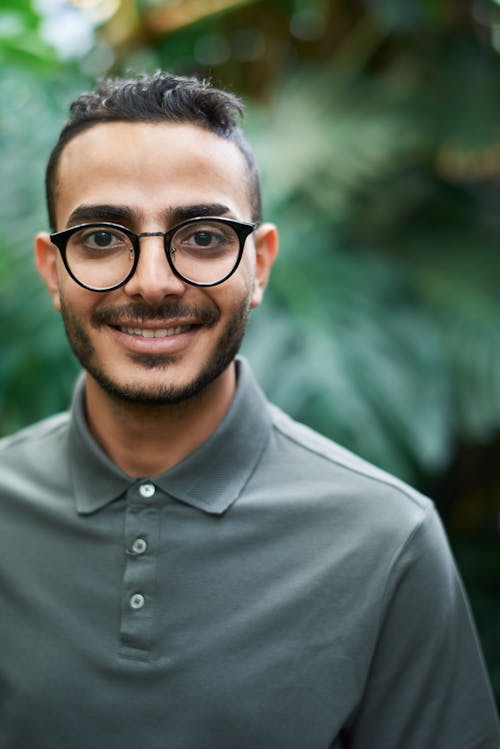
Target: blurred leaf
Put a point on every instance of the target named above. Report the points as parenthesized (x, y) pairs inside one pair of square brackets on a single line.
[(394, 354), (35, 379), (20, 39), (380, 152)]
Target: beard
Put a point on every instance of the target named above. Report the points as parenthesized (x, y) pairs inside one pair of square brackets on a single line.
[(224, 351)]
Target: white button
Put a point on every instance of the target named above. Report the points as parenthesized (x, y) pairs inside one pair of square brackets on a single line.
[(147, 490), (136, 601), (139, 546)]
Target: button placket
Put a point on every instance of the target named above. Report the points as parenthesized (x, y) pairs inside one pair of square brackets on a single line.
[(141, 549)]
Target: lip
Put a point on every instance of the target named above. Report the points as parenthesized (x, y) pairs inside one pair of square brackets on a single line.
[(154, 332), (174, 342)]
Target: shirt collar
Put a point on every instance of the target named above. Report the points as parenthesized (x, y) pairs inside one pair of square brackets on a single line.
[(210, 479)]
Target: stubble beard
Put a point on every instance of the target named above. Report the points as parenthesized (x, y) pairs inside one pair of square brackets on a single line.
[(224, 352)]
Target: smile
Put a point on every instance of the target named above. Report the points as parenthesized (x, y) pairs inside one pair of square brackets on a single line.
[(157, 333)]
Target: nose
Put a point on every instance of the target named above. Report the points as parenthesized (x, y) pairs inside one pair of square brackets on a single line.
[(153, 279)]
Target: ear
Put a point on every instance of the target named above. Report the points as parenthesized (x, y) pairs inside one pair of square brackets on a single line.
[(266, 249), (46, 262)]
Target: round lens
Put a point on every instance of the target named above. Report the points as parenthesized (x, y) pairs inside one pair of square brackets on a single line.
[(100, 256), (205, 252)]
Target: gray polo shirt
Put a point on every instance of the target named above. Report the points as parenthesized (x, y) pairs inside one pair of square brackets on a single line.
[(272, 591)]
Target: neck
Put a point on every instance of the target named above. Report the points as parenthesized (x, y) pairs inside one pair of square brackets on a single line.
[(146, 440)]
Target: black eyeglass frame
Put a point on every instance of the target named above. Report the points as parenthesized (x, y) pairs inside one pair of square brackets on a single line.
[(242, 230)]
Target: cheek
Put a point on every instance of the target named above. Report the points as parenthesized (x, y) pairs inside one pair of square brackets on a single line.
[(244, 278), (67, 289), (239, 287), (79, 302), (233, 294)]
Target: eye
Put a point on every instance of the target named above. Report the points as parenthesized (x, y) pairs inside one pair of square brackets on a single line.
[(101, 239), (205, 238), (205, 235)]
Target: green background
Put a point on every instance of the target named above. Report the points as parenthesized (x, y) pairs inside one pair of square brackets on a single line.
[(377, 127)]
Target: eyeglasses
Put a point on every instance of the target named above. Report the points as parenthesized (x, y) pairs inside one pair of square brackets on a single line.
[(200, 251)]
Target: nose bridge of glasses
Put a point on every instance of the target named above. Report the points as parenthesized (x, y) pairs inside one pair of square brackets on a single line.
[(146, 234), (151, 255), (151, 234), (153, 274), (166, 248)]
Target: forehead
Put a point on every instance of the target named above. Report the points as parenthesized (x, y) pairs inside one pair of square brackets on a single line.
[(152, 168)]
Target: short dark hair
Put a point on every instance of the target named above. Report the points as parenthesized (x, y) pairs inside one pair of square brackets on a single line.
[(162, 97)]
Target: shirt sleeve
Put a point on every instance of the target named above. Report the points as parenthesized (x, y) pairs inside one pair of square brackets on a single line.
[(427, 686)]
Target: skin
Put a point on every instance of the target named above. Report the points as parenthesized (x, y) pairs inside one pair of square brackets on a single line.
[(152, 401)]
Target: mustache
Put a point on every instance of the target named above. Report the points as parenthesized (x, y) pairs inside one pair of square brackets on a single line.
[(141, 312)]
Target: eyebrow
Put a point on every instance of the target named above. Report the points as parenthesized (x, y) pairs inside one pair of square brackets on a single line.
[(113, 213), (124, 214), (181, 213)]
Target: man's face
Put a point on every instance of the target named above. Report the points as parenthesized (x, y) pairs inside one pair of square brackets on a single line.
[(156, 339)]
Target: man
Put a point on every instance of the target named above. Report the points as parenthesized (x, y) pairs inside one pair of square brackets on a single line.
[(182, 565)]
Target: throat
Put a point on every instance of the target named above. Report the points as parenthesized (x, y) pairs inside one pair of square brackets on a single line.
[(149, 439)]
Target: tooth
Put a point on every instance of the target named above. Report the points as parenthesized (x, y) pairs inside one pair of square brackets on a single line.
[(159, 333)]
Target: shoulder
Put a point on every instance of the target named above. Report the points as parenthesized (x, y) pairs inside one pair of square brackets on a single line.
[(331, 457), (354, 486), (39, 436), (34, 464), (364, 525)]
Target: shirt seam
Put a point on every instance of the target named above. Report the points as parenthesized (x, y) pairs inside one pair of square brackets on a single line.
[(398, 553), (395, 485), (385, 598)]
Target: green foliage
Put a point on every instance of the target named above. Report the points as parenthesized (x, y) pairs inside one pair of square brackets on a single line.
[(20, 39), (383, 306), (36, 371), (381, 322), (381, 165), (481, 570)]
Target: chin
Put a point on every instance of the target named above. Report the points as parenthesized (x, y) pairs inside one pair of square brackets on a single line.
[(160, 380)]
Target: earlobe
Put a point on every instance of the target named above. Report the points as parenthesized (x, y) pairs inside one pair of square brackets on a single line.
[(266, 249), (46, 263)]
